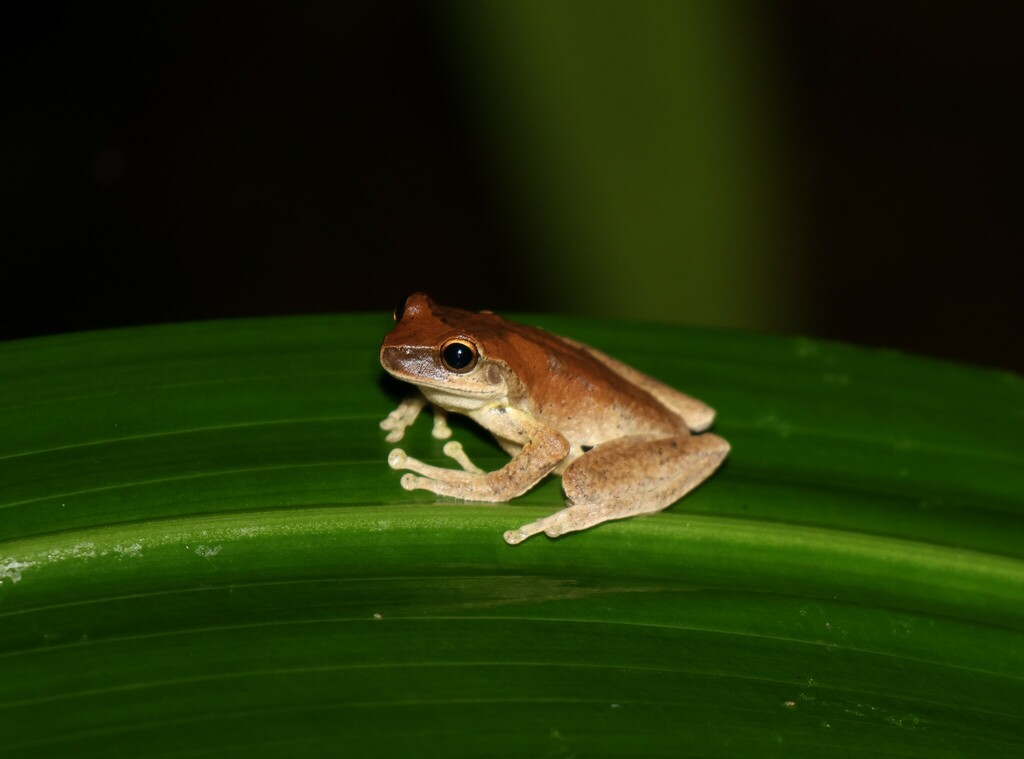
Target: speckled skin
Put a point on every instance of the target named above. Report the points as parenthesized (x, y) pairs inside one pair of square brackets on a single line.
[(623, 442)]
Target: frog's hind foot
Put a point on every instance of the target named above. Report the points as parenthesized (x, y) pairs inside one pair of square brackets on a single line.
[(569, 519)]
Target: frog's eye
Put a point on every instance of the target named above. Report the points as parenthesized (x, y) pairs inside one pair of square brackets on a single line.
[(400, 309), (459, 355)]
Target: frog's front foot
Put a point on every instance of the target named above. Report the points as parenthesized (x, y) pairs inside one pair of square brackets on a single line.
[(399, 459), (399, 420), (450, 482)]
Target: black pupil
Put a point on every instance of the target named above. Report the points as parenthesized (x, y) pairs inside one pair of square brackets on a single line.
[(458, 355)]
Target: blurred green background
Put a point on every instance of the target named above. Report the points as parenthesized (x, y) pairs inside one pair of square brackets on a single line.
[(645, 151), (846, 171)]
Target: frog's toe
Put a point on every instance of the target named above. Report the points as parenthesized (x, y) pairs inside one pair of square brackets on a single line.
[(555, 530), (453, 449), (515, 537), (410, 481)]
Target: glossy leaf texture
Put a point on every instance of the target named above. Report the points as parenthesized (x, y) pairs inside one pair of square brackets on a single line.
[(204, 553)]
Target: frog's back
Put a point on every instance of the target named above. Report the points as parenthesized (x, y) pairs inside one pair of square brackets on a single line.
[(582, 396)]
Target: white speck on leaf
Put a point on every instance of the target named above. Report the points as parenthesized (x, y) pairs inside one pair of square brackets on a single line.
[(135, 549), (11, 569), (85, 550), (206, 551)]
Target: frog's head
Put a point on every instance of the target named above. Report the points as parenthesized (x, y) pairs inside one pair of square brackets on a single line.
[(447, 352)]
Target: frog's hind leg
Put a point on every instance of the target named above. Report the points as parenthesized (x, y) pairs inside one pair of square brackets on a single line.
[(627, 477)]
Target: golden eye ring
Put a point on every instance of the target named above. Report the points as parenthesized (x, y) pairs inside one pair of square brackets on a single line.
[(459, 355)]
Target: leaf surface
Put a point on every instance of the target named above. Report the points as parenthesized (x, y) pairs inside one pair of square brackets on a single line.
[(203, 552)]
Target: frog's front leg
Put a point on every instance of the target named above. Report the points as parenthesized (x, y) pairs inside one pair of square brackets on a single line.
[(539, 456), (627, 477)]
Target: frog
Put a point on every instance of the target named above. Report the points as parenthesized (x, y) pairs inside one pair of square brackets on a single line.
[(624, 443)]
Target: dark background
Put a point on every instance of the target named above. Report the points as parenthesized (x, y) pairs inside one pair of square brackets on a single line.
[(179, 162)]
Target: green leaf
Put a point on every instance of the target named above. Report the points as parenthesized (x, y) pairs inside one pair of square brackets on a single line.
[(203, 552)]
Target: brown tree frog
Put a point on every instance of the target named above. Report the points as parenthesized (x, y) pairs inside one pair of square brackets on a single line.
[(624, 443)]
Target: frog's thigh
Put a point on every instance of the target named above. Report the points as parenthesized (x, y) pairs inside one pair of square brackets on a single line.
[(627, 477), (642, 474)]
